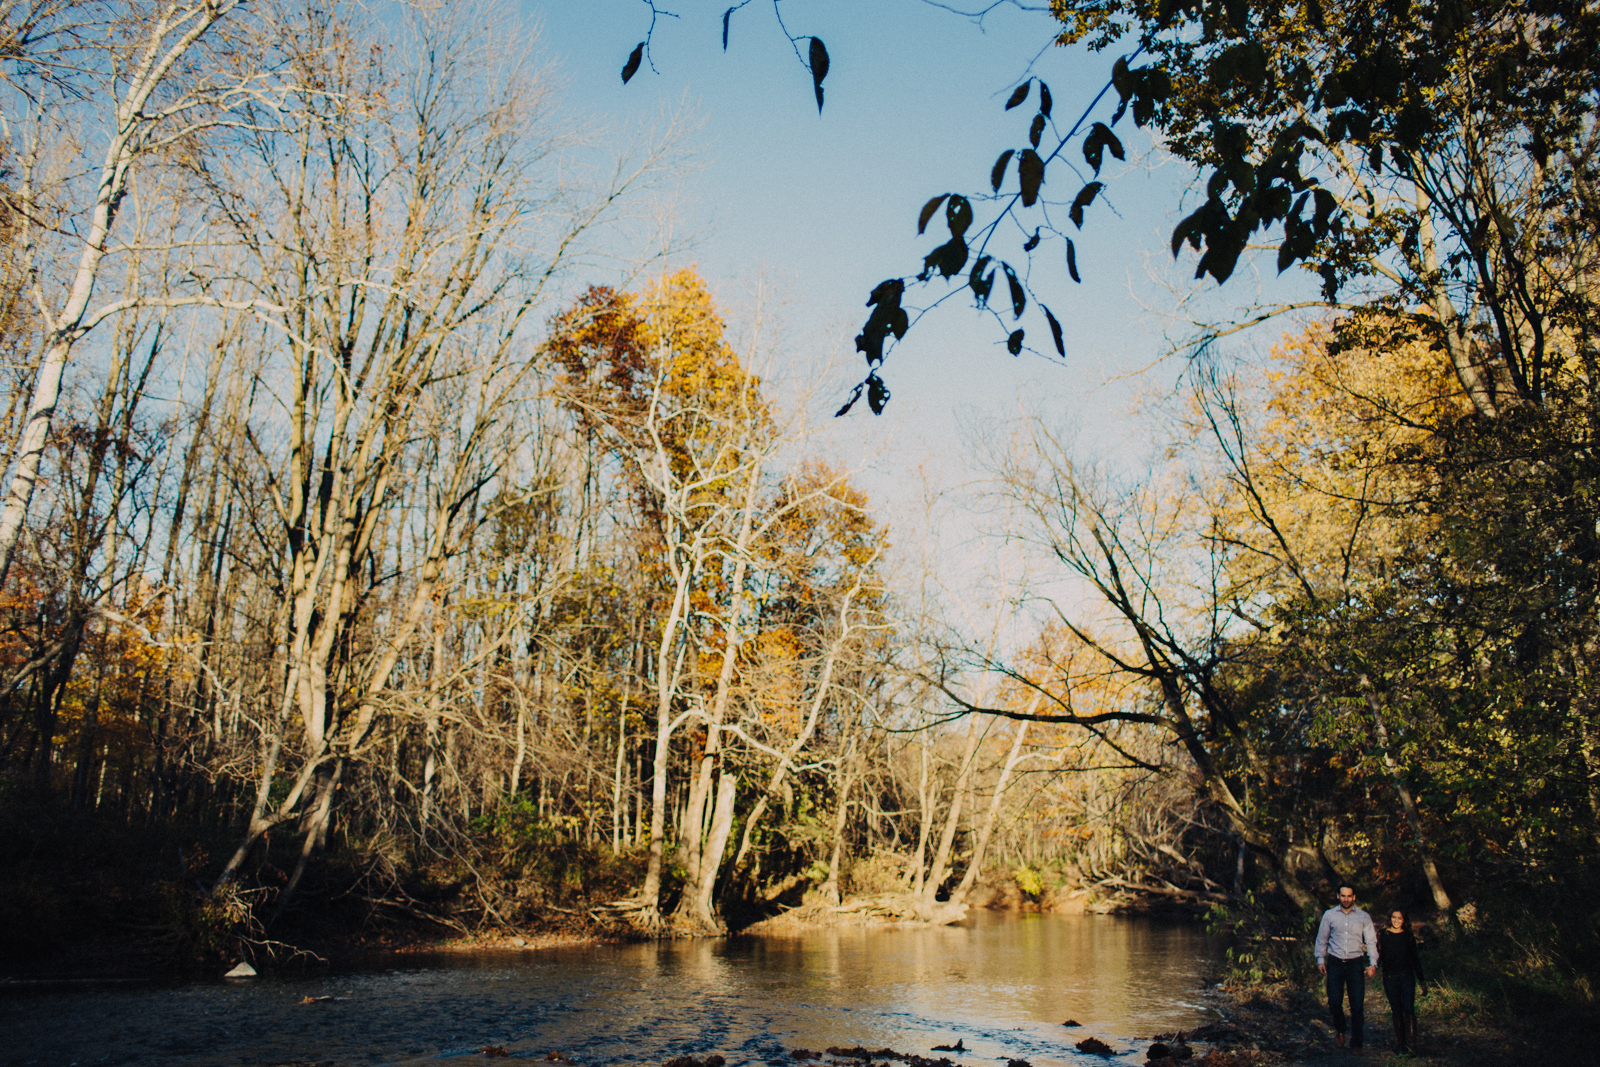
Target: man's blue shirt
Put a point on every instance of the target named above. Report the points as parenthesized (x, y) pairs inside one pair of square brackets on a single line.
[(1347, 934)]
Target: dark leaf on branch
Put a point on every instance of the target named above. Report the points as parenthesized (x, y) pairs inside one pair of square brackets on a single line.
[(997, 176), (1030, 172), (1019, 94), (947, 259), (855, 394), (1014, 343), (1032, 242), (1044, 100), (1100, 138), (1085, 196), (1055, 331), (1072, 262), (1036, 130), (726, 15), (958, 214), (877, 393), (1019, 299), (981, 283), (1142, 87), (819, 68), (631, 67), (887, 317), (927, 212)]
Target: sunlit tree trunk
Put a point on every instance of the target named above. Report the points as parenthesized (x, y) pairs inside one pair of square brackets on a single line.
[(981, 847), (952, 821)]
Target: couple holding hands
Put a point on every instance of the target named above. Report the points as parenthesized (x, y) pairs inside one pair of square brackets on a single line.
[(1349, 951)]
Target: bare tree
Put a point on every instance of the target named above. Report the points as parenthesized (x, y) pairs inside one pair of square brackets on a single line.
[(155, 82), (406, 230)]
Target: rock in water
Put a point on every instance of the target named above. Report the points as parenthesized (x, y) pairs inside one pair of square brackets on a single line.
[(243, 970), (1095, 1047)]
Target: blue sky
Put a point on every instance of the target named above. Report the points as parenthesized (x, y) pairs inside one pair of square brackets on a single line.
[(824, 207)]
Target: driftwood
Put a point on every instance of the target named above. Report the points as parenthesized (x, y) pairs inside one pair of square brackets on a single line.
[(415, 910), (1165, 889), (882, 908)]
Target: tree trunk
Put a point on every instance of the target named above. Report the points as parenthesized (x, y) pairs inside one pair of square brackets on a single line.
[(1441, 899), (619, 811), (316, 836), (974, 867), (918, 872), (952, 823), (705, 885), (667, 670)]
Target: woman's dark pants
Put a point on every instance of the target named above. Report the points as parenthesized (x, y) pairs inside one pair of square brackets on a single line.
[(1343, 975), (1401, 989)]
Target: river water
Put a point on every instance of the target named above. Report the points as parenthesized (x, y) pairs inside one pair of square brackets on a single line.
[(1003, 984)]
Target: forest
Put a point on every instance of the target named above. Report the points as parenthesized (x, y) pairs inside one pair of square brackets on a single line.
[(378, 554)]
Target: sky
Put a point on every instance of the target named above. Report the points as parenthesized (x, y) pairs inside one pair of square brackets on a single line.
[(815, 210)]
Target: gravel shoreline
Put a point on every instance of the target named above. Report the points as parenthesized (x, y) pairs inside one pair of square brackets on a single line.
[(1290, 1029)]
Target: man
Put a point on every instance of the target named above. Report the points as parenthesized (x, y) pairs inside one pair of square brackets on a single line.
[(1345, 935)]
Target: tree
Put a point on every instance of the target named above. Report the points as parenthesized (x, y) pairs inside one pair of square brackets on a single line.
[(1154, 617), (1374, 549), (166, 80), (1434, 158), (396, 229)]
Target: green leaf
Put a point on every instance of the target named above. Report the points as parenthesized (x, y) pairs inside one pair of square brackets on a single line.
[(1085, 196), (927, 212), (1072, 262), (1030, 172), (1055, 331), (1014, 343), (1019, 94), (819, 68), (631, 67), (1019, 299), (997, 176)]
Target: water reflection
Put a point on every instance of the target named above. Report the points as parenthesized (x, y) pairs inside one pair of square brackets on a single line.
[(1001, 983)]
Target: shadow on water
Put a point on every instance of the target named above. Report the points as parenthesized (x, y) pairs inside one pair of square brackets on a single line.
[(1003, 984)]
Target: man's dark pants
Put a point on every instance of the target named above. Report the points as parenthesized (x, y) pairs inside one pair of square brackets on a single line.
[(1343, 975)]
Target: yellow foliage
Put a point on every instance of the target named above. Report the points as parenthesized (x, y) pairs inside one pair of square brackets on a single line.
[(1336, 459), (777, 679)]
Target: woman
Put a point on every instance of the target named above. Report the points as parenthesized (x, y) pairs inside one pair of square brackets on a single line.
[(1402, 973)]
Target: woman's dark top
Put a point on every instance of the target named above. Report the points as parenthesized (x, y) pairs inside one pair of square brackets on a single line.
[(1398, 953)]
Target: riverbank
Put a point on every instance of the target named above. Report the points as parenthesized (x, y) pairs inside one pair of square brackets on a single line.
[(1259, 1025), (1284, 1027)]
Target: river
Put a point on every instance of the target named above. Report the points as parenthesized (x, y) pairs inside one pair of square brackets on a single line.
[(1003, 984)]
